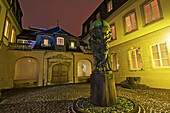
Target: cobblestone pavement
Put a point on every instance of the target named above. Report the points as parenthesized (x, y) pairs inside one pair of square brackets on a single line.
[(57, 99)]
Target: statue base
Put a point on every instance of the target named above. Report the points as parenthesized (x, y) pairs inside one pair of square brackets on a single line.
[(103, 91)]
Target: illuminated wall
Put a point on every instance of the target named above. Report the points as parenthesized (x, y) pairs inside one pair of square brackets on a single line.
[(7, 64), (143, 37), (14, 22), (26, 69), (84, 68)]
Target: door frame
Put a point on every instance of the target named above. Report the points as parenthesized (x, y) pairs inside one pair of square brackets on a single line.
[(49, 80)]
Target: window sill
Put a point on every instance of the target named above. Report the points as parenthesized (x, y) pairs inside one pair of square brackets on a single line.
[(135, 69), (115, 70), (112, 40), (166, 67), (154, 21), (131, 31)]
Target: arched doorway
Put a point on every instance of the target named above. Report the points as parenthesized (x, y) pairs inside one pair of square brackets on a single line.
[(60, 73), (84, 69), (26, 72)]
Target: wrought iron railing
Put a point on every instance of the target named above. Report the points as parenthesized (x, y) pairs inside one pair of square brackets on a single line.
[(19, 46)]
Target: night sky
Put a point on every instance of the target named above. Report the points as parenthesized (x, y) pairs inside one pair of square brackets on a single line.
[(70, 13)]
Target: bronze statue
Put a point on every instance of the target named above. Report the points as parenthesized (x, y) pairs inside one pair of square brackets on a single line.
[(100, 35)]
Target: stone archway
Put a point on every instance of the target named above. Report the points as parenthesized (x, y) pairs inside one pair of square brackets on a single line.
[(26, 72)]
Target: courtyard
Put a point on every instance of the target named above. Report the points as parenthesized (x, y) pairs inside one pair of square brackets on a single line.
[(57, 99)]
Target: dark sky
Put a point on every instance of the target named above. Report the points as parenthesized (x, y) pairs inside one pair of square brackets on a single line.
[(70, 13)]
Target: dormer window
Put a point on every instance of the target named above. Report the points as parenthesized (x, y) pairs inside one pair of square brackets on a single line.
[(72, 44), (109, 6), (45, 41), (60, 41)]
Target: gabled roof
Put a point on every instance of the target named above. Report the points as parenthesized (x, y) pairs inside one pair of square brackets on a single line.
[(56, 30)]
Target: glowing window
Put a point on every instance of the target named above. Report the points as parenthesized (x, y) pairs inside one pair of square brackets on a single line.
[(160, 55), (60, 41), (130, 21), (152, 11), (72, 44), (113, 30), (45, 41), (135, 59), (7, 27), (109, 6), (114, 60), (13, 35)]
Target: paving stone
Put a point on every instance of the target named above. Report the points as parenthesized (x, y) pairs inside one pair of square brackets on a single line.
[(57, 99)]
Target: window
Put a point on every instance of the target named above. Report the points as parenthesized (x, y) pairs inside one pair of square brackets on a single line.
[(72, 44), (91, 21), (60, 41), (160, 55), (109, 6), (13, 35), (135, 59), (114, 62), (152, 11), (113, 31), (98, 16), (45, 41), (85, 28), (7, 27), (130, 21)]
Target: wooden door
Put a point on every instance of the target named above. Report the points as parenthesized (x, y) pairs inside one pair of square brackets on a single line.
[(60, 73)]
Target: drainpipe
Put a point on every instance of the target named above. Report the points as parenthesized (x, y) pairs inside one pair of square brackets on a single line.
[(44, 67), (73, 68)]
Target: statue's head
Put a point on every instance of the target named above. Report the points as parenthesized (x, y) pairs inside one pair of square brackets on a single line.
[(99, 29)]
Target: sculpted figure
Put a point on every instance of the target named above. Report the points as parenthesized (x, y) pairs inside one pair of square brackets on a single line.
[(100, 35)]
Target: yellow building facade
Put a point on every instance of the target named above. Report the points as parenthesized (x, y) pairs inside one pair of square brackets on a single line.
[(23, 66), (141, 45), (10, 26)]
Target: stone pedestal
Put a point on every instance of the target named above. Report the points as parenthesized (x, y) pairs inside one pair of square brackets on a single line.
[(103, 91)]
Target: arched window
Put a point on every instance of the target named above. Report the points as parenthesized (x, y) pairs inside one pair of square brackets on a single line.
[(84, 68), (26, 69)]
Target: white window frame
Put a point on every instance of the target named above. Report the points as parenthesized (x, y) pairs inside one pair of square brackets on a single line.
[(159, 52), (60, 38), (149, 2), (126, 27), (130, 59)]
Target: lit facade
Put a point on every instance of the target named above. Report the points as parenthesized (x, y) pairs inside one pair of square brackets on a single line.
[(10, 26), (38, 57), (140, 45)]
